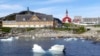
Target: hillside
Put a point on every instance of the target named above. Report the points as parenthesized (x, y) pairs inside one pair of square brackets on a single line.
[(13, 15)]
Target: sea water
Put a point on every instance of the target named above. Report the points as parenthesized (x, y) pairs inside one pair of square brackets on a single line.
[(73, 47)]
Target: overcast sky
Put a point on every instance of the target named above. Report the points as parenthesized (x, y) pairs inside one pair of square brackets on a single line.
[(57, 8)]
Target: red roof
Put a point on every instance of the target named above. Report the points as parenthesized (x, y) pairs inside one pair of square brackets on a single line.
[(66, 19)]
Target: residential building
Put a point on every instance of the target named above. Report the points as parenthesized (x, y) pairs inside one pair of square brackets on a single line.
[(86, 21), (36, 20), (77, 19), (95, 20)]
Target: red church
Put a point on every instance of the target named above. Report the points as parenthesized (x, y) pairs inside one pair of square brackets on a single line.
[(66, 19)]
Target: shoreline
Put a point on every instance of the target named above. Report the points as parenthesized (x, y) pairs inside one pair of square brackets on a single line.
[(57, 34), (86, 37)]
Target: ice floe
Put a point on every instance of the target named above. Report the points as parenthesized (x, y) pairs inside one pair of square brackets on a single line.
[(70, 39), (57, 49), (8, 39), (38, 49)]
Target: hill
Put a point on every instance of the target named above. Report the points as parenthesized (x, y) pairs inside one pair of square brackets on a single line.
[(13, 15)]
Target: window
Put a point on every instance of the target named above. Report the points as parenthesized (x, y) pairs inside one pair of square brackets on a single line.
[(24, 19), (44, 19)]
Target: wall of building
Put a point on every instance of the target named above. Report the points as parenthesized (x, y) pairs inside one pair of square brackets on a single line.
[(88, 21), (77, 19), (27, 24)]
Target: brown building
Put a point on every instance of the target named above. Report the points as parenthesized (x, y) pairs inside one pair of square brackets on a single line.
[(36, 20)]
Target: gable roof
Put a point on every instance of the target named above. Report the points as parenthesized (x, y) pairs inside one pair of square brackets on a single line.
[(68, 19), (27, 17), (34, 18), (44, 16), (23, 17)]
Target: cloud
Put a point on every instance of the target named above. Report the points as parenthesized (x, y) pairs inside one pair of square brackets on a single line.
[(3, 1), (4, 14), (51, 11), (11, 7), (6, 9), (53, 1), (47, 10), (86, 11)]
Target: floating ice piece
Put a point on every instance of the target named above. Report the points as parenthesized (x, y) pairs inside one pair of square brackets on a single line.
[(75, 39), (83, 40), (8, 39), (38, 49), (33, 37), (70, 39), (57, 49), (17, 37), (52, 38)]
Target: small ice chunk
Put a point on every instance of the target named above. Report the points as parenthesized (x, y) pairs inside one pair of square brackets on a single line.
[(38, 49), (17, 37), (57, 49), (33, 37), (70, 39), (8, 39)]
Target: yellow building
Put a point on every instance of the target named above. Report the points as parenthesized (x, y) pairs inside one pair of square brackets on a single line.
[(36, 20)]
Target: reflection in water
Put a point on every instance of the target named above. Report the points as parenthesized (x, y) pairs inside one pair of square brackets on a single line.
[(38, 54), (47, 54)]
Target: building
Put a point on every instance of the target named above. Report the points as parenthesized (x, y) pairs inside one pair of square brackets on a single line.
[(93, 21), (66, 19), (36, 20), (77, 19), (86, 21), (57, 23)]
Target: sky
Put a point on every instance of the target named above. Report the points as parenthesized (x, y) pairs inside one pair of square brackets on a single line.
[(57, 8)]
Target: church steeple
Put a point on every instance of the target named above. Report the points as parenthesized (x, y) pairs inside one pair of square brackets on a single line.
[(66, 12), (66, 19), (28, 11)]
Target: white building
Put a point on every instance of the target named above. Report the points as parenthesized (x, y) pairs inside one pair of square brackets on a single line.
[(86, 21)]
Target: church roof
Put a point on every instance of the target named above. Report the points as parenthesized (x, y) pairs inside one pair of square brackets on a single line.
[(68, 19)]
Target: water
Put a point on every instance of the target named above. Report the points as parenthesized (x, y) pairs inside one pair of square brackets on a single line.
[(74, 47)]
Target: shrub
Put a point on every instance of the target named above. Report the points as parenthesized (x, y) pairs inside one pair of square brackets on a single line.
[(5, 29)]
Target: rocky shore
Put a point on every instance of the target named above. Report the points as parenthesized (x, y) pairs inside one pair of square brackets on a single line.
[(39, 33)]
